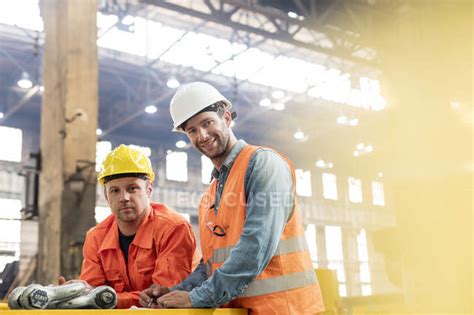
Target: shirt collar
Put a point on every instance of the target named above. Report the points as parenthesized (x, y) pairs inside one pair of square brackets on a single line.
[(230, 159)]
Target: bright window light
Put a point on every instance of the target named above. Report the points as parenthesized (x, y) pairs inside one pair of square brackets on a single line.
[(10, 144), (278, 94), (329, 186), (364, 269), (101, 213), (354, 122), (355, 189), (366, 289), (342, 290), (342, 120), (102, 148), (186, 216), (334, 243), (10, 225), (153, 40), (177, 166), (303, 183), (334, 253), (22, 13), (127, 42), (206, 169), (378, 197), (310, 235), (362, 250), (98, 131)]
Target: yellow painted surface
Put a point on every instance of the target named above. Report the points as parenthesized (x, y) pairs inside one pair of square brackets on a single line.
[(220, 311)]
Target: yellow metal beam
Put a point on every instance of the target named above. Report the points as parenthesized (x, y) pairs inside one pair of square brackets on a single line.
[(219, 311)]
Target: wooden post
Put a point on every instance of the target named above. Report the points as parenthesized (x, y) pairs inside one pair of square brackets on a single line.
[(68, 138)]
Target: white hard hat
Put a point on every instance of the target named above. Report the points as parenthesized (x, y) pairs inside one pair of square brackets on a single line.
[(190, 99)]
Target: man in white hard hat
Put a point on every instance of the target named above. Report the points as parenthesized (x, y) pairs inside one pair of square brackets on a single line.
[(252, 239)]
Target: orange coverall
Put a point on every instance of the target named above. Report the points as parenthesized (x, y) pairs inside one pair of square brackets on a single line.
[(163, 252)]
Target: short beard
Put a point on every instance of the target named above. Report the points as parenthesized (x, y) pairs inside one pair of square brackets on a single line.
[(225, 139)]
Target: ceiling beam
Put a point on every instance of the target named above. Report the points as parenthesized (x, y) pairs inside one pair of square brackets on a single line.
[(282, 37)]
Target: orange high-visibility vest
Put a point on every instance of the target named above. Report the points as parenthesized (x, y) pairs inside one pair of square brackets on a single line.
[(288, 284)]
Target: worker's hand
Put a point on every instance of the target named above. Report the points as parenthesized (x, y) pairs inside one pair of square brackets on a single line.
[(148, 296), (175, 299), (61, 280)]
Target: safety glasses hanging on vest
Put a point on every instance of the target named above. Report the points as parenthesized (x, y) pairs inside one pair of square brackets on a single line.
[(215, 229)]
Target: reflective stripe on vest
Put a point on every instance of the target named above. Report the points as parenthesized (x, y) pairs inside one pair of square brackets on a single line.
[(281, 283), (287, 246)]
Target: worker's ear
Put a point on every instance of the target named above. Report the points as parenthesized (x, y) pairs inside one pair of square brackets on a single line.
[(227, 117), (149, 188)]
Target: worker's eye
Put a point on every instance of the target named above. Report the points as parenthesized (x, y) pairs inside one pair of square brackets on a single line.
[(114, 191), (134, 188), (191, 131)]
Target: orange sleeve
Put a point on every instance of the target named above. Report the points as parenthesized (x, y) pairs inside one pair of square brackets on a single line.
[(91, 270), (128, 299), (175, 258)]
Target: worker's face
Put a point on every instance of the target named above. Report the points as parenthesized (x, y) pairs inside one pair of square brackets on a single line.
[(209, 133), (128, 198)]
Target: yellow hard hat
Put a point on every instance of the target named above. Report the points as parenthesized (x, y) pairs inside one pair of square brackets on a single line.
[(125, 159)]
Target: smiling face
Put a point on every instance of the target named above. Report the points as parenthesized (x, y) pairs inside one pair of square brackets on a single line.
[(211, 135), (129, 199)]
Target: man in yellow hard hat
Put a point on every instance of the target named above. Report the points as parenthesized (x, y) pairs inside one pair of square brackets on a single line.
[(141, 243), (252, 239)]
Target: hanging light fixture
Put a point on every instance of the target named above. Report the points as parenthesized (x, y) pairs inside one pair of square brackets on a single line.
[(180, 144), (265, 102), (172, 83), (299, 135), (151, 109), (25, 82)]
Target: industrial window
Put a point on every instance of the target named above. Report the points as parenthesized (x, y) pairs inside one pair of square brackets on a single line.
[(362, 252), (10, 144), (378, 197), (329, 186), (101, 213), (102, 148), (303, 183), (206, 169), (355, 190), (10, 225), (335, 255), (310, 234), (177, 166)]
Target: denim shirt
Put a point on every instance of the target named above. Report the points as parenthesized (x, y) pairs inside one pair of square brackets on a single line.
[(269, 193)]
